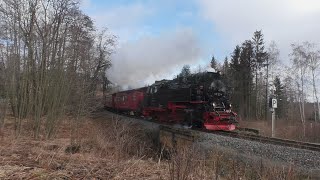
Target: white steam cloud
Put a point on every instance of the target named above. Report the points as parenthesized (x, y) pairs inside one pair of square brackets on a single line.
[(141, 62)]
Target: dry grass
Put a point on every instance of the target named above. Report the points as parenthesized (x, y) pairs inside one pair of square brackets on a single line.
[(287, 129), (107, 150), (193, 163)]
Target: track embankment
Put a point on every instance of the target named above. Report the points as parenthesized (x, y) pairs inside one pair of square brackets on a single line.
[(251, 148)]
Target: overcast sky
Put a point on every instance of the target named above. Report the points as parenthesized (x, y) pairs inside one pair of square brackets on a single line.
[(156, 38)]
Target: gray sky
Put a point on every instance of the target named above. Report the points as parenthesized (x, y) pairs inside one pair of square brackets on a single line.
[(156, 38)]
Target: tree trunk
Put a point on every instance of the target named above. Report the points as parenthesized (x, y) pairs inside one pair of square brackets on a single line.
[(315, 96), (256, 99)]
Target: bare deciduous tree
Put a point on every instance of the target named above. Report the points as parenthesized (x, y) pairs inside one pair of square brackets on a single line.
[(300, 66), (52, 59), (312, 55)]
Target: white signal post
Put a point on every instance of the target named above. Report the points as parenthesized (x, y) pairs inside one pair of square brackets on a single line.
[(273, 106)]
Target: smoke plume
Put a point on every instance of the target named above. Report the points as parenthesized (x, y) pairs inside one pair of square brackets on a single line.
[(141, 62)]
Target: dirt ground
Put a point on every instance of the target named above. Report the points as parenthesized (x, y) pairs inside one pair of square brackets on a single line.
[(96, 157)]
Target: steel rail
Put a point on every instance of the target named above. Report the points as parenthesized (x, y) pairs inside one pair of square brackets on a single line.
[(268, 140)]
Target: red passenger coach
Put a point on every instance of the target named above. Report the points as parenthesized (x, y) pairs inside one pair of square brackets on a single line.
[(131, 100)]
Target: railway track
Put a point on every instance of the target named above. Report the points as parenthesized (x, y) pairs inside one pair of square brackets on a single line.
[(241, 135), (269, 140)]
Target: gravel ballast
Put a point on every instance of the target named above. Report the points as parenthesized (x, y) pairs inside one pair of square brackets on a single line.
[(305, 159)]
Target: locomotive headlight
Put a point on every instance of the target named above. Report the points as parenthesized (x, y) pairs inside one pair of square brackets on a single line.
[(213, 104)]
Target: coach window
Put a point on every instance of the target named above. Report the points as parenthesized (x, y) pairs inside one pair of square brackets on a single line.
[(134, 97)]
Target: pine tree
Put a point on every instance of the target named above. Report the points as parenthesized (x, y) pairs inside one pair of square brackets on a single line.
[(225, 67), (235, 57), (260, 54), (235, 78), (185, 73), (281, 98), (213, 62), (226, 73), (246, 64), (259, 58)]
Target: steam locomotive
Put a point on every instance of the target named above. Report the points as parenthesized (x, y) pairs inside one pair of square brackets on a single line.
[(199, 100)]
